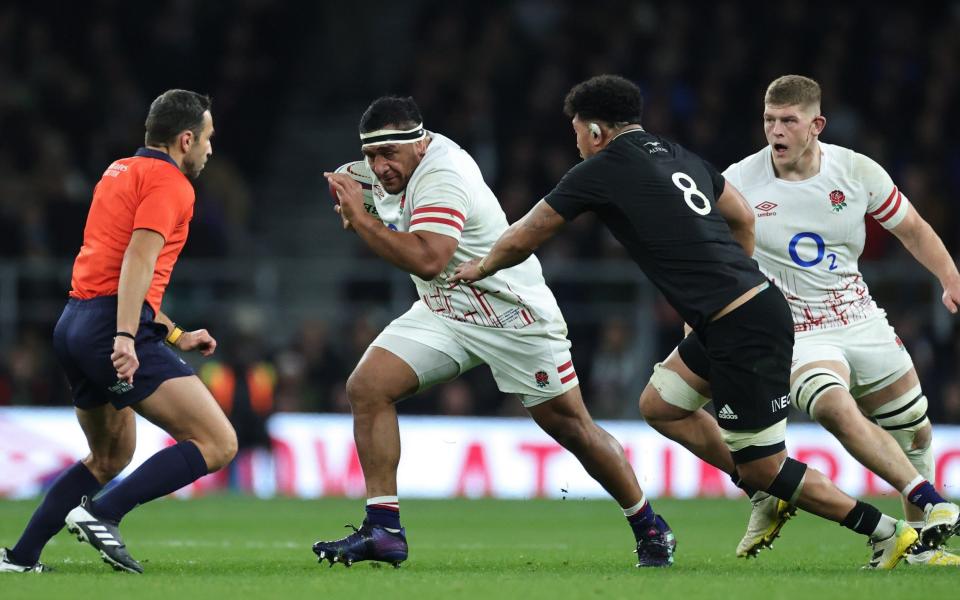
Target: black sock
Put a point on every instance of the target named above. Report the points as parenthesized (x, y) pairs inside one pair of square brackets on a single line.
[(166, 471), (65, 493), (863, 518)]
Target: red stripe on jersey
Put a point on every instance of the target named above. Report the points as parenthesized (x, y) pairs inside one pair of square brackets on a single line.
[(886, 202), (565, 366), (458, 226), (440, 209), (483, 304), (893, 210), (567, 378)]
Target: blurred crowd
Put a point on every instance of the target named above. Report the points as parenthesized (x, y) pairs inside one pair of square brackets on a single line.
[(492, 76)]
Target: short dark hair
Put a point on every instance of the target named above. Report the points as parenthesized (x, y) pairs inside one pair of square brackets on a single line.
[(608, 98), (387, 110), (173, 112)]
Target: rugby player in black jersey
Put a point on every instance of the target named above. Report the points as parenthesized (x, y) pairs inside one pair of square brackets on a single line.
[(691, 233)]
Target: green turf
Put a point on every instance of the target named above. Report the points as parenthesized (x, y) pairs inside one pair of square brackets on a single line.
[(239, 547)]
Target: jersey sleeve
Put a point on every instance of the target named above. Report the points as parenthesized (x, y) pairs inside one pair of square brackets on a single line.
[(885, 203), (167, 202), (579, 191), (440, 204), (716, 179), (732, 174)]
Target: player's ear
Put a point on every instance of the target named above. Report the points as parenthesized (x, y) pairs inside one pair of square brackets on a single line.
[(819, 123), (594, 130)]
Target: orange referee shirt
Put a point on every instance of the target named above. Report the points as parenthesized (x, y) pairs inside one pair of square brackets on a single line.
[(146, 191)]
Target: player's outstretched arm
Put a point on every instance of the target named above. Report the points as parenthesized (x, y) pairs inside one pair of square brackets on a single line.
[(925, 245), (516, 244), (733, 207)]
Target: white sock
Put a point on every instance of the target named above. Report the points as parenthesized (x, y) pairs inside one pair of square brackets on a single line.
[(885, 528), (392, 501), (909, 487), (629, 512)]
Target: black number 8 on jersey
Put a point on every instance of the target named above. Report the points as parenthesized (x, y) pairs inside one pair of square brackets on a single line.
[(688, 186)]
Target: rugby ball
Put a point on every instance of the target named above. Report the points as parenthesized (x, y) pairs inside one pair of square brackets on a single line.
[(359, 172)]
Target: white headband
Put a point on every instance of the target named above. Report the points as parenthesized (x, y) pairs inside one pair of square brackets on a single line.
[(393, 136)]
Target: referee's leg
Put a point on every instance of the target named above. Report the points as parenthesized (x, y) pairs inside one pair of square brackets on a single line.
[(111, 436), (206, 442)]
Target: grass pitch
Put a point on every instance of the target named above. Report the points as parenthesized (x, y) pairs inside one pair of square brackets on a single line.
[(239, 547)]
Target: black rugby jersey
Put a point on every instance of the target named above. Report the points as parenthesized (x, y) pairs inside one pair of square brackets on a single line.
[(658, 199)]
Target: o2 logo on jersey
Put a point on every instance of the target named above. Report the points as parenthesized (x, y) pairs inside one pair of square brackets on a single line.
[(688, 186), (815, 260)]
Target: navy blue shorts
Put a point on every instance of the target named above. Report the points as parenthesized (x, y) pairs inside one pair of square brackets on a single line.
[(83, 343)]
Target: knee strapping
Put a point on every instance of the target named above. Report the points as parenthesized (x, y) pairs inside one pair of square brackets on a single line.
[(903, 418), (811, 385), (674, 390), (789, 481)]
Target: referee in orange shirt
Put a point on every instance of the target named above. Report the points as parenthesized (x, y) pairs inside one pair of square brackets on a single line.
[(115, 344)]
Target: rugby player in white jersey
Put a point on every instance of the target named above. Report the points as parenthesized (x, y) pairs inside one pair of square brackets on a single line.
[(810, 200), (427, 210)]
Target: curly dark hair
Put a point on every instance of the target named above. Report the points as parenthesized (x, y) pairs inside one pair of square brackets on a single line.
[(390, 110), (608, 98), (174, 112)]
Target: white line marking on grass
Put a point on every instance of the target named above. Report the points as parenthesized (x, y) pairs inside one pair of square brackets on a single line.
[(222, 544)]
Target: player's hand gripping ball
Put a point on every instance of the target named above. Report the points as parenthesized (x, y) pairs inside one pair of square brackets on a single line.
[(333, 194)]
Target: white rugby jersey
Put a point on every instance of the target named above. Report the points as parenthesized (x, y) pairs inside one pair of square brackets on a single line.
[(810, 233), (447, 195)]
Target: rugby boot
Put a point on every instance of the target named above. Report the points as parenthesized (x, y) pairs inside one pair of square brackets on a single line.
[(887, 553), (103, 535), (8, 566), (768, 517), (370, 542), (655, 547), (940, 521), (932, 557)]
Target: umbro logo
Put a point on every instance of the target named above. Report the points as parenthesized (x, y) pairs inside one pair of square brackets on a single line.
[(727, 413), (766, 208)]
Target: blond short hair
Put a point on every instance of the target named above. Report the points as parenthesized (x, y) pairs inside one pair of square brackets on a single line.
[(793, 89)]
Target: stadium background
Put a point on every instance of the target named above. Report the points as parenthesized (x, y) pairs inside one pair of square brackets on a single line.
[(294, 301)]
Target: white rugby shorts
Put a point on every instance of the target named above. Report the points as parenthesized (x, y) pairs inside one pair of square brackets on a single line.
[(870, 349), (534, 362)]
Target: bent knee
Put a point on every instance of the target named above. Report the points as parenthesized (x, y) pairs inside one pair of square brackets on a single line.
[(650, 402), (843, 420), (361, 391), (923, 437), (218, 449), (759, 473), (106, 467)]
